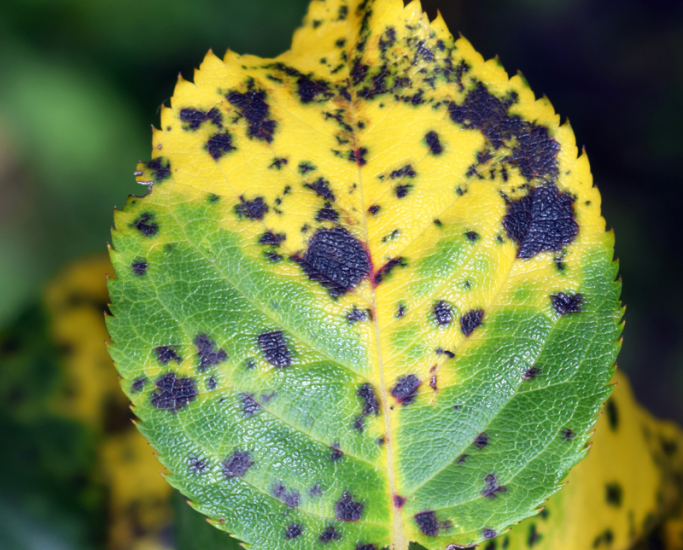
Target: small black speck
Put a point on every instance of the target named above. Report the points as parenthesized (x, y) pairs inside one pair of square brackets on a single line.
[(613, 494), (329, 534), (472, 236), (531, 373), (482, 440), (432, 139), (249, 405), (374, 209), (568, 434)]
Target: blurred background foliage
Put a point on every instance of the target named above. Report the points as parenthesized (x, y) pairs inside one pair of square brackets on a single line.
[(82, 80)]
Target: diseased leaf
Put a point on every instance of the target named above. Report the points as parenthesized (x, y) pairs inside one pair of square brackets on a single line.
[(370, 298)]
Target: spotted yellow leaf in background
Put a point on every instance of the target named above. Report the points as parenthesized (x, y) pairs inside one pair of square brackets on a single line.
[(369, 298)]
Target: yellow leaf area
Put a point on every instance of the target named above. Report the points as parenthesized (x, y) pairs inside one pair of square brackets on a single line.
[(138, 507), (628, 489)]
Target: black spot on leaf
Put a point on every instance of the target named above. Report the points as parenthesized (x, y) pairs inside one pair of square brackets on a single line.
[(278, 163), (290, 498), (428, 523), (612, 414), (356, 315), (237, 464), (613, 494), (443, 313), (568, 434), (165, 354), (399, 501), (492, 487), (251, 210), (309, 89), (542, 220), (358, 156), (402, 190), (567, 303), (374, 209), (405, 389), (211, 383), (534, 537), (370, 403), (197, 465), (272, 239), (346, 509), (138, 384), (139, 267), (471, 320), (294, 530), (472, 236), (489, 533), (406, 171), (173, 393), (322, 187), (433, 142), (219, 144), (335, 259), (531, 373), (329, 534), (146, 224), (482, 440), (160, 168), (249, 405), (336, 453), (327, 214), (360, 546), (253, 107), (207, 355), (384, 271), (274, 347)]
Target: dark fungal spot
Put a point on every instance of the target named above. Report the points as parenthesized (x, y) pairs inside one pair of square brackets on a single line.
[(488, 533), (386, 270), (212, 198), (358, 156), (315, 491), (329, 534), (482, 440), (401, 310), (399, 501), (272, 239), (491, 545), (402, 190), (251, 210), (346, 509), (274, 347), (427, 523), (567, 303), (249, 405), (358, 423), (461, 458), (568, 434), (160, 168), (370, 403), (139, 267), (360, 546), (310, 90), (669, 446), (381, 441), (438, 223), (542, 220), (544, 513), (197, 465), (404, 172), (433, 383), (405, 389), (327, 213), (306, 166), (336, 453), (335, 259), (322, 187), (272, 256), (173, 393), (613, 494), (356, 315), (612, 414), (253, 107), (195, 117), (443, 313), (237, 464), (472, 236), (211, 383), (138, 384), (535, 153), (374, 209), (294, 530), (219, 145), (492, 487), (207, 355), (166, 354), (278, 163), (531, 373), (471, 320), (290, 498), (607, 536), (534, 537), (146, 224)]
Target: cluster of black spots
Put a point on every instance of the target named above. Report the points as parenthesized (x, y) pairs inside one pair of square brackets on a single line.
[(272, 239), (568, 434), (220, 144), (358, 156), (374, 209), (416, 99), (356, 315), (612, 414), (492, 488), (160, 168), (613, 494), (606, 537), (401, 310), (310, 90), (249, 405), (294, 530), (274, 347), (322, 187), (386, 270), (481, 440), (197, 465), (401, 191), (434, 143), (472, 236), (146, 224), (531, 373), (335, 259), (428, 523), (211, 383), (138, 384), (336, 453), (405, 389), (327, 213), (208, 356), (253, 107), (534, 536), (166, 354), (346, 509), (173, 393), (542, 220), (406, 171), (471, 320), (370, 403), (567, 303), (139, 267), (290, 498), (237, 464), (278, 163), (194, 118), (443, 313), (252, 210), (329, 534)]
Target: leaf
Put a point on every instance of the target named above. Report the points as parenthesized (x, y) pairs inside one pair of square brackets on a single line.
[(370, 298), (624, 491)]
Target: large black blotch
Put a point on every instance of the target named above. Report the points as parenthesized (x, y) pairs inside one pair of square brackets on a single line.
[(252, 106), (160, 167), (405, 389), (173, 393), (428, 523), (335, 259), (536, 152), (251, 210), (207, 355), (567, 303), (237, 464), (145, 223), (219, 144), (195, 117), (274, 347), (309, 89), (346, 509), (166, 354), (322, 187), (542, 220)]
